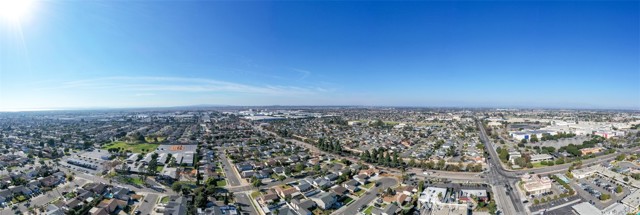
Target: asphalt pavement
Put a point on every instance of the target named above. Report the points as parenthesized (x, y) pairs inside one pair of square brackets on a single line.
[(232, 178), (146, 206), (503, 182), (368, 197), (244, 200)]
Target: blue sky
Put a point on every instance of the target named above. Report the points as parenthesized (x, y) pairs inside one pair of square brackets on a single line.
[(72, 54)]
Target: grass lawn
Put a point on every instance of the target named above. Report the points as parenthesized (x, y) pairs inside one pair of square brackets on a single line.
[(133, 147), (19, 198), (347, 201), (285, 186), (537, 165), (164, 200), (134, 180), (159, 168), (360, 192), (255, 194), (368, 185), (221, 183), (70, 195), (368, 210)]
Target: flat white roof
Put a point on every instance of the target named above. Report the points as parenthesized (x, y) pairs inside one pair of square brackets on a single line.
[(585, 208), (632, 200), (431, 193)]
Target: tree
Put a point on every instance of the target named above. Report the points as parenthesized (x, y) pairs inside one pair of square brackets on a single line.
[(420, 186), (621, 157), (177, 186), (299, 167), (412, 162), (441, 164), (626, 179), (255, 182), (503, 154), (534, 138), (605, 196), (492, 207), (365, 156), (619, 189), (153, 164), (451, 151), (430, 165), (200, 200)]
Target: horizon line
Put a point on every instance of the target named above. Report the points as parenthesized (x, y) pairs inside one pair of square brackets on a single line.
[(18, 110)]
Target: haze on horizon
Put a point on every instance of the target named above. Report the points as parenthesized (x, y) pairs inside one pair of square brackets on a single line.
[(79, 54)]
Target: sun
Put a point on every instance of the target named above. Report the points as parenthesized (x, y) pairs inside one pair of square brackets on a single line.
[(15, 10)]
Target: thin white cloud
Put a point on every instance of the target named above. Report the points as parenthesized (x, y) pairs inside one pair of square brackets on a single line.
[(304, 73), (144, 94), (146, 84)]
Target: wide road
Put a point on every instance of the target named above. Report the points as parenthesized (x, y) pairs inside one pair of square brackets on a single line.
[(368, 197), (503, 182)]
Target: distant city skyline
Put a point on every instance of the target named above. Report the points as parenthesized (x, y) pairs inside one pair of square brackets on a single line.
[(117, 54)]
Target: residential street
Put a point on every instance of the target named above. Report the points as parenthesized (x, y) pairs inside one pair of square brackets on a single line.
[(232, 176), (368, 197), (149, 202), (243, 200)]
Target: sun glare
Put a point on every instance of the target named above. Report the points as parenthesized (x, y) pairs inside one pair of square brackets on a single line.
[(15, 10)]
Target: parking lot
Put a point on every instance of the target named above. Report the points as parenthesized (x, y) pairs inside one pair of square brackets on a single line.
[(84, 161), (554, 203), (592, 188), (78, 165)]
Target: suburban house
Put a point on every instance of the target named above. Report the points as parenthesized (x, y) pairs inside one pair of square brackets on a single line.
[(325, 200), (351, 185)]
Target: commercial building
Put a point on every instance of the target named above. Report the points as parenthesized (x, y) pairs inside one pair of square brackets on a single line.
[(585, 208), (583, 173), (632, 201), (431, 195), (593, 150), (520, 135), (604, 172), (541, 157), (535, 185), (609, 133)]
